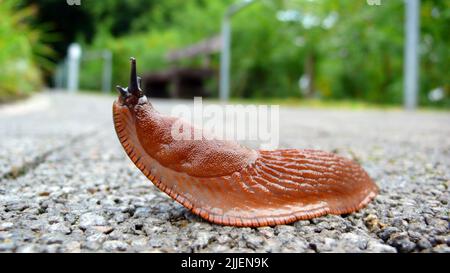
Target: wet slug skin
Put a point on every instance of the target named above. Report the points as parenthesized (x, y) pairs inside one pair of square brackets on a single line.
[(226, 183)]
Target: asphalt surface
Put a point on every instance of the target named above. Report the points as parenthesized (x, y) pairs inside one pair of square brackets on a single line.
[(66, 184)]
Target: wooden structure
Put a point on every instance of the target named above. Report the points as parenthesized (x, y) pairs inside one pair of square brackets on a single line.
[(177, 83), (184, 82)]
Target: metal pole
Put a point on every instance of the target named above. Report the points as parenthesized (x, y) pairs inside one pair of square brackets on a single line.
[(59, 76), (225, 56), (411, 55), (74, 55), (225, 60), (107, 68)]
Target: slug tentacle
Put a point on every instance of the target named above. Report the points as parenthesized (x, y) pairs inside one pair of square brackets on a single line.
[(228, 184), (123, 92), (134, 87)]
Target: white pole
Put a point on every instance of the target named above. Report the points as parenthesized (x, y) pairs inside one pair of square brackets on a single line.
[(224, 89), (225, 60), (411, 54), (74, 55)]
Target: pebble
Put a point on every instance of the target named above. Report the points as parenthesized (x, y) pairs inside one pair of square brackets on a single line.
[(72, 247), (377, 247), (8, 246), (6, 226), (59, 228), (91, 219), (386, 233), (401, 242), (115, 245), (253, 241)]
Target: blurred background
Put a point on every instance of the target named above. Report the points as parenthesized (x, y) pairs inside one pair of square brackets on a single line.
[(289, 51)]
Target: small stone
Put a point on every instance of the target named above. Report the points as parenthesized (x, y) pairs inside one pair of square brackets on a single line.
[(202, 240), (223, 239), (401, 242), (327, 245), (19, 206), (7, 246), (103, 229), (442, 248), (374, 246), (353, 240), (60, 228), (72, 247), (54, 248), (302, 223), (272, 245), (439, 225), (399, 223), (139, 243), (424, 244), (266, 231), (6, 226), (386, 233), (51, 238), (97, 238), (71, 218), (55, 219), (253, 241), (295, 245), (115, 245), (120, 217), (91, 219), (284, 228), (220, 249), (373, 223), (142, 212), (30, 248), (156, 242)]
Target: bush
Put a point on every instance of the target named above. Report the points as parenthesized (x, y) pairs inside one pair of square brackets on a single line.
[(18, 44)]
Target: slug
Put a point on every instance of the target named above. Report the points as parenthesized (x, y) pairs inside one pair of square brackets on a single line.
[(228, 184)]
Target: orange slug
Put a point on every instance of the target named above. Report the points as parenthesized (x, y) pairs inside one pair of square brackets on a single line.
[(228, 184)]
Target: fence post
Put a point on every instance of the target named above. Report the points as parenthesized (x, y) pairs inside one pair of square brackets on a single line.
[(224, 88), (411, 55), (74, 55)]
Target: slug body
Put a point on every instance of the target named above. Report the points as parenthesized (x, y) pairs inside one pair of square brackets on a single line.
[(228, 184)]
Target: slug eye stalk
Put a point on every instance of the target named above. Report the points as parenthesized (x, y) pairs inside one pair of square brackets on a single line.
[(134, 86), (123, 92), (131, 94)]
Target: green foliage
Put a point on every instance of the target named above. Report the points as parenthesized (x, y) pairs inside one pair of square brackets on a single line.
[(357, 49), (351, 49), (20, 50), (435, 49), (149, 49)]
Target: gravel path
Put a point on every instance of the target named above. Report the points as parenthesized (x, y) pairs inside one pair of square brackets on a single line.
[(66, 185)]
